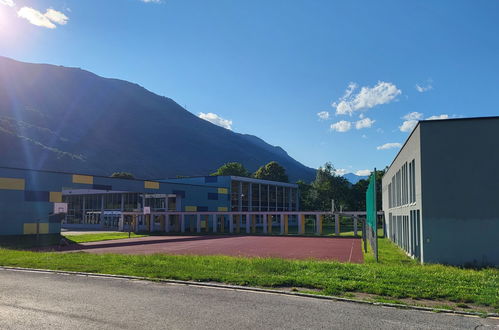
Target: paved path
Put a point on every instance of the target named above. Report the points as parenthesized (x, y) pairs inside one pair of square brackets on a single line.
[(341, 249), (32, 300)]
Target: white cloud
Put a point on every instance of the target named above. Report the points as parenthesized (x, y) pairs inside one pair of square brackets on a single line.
[(215, 119), (9, 3), (364, 123), (341, 126), (424, 88), (408, 125), (35, 17), (323, 115), (56, 16), (363, 172), (390, 145), (46, 20), (367, 97), (438, 117), (411, 120), (413, 116), (340, 171)]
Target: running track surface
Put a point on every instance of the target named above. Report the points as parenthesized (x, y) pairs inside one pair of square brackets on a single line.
[(325, 248)]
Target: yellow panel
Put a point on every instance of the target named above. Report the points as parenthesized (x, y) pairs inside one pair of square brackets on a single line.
[(222, 209), (151, 185), (191, 208), (44, 228), (11, 184), (223, 191), (29, 228), (87, 179), (55, 197)]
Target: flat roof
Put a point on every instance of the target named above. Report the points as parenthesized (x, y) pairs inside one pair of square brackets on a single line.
[(434, 120)]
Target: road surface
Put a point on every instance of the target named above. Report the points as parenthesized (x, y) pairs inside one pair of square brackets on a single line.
[(34, 300)]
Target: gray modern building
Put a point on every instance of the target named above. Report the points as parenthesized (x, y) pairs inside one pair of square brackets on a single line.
[(441, 192)]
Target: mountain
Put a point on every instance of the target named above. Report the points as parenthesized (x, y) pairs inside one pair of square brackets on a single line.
[(354, 178), (68, 119)]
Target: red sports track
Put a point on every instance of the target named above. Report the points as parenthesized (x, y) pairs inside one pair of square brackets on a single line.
[(324, 248)]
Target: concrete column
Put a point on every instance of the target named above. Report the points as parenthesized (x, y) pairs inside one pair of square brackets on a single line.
[(250, 198), (318, 224), (240, 196), (355, 227), (269, 222), (337, 224), (248, 221), (286, 223), (265, 226), (231, 223), (259, 197), (198, 223), (281, 222), (182, 223), (302, 224)]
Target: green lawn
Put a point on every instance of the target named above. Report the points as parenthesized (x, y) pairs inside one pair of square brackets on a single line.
[(84, 238), (395, 277)]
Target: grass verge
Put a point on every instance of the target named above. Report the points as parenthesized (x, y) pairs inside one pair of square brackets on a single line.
[(396, 277), (85, 238)]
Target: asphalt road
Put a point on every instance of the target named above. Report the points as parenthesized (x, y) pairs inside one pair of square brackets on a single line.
[(33, 300)]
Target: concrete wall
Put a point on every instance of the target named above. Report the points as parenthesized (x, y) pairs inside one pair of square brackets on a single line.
[(398, 218), (461, 191)]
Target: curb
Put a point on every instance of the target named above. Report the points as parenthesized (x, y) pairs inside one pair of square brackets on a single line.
[(254, 289)]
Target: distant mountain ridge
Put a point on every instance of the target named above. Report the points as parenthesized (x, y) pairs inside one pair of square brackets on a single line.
[(354, 178), (68, 119)]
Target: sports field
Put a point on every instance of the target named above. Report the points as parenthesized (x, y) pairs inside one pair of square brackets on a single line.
[(323, 248)]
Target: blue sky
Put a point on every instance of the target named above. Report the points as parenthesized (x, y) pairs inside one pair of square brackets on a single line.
[(339, 81)]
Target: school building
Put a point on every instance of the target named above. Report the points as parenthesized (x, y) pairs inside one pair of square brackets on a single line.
[(441, 192), (37, 202)]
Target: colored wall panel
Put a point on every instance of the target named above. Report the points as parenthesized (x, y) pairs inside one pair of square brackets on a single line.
[(86, 179), (12, 184), (43, 228), (55, 197), (36, 196), (213, 196), (102, 187), (208, 179), (223, 190), (222, 209), (151, 185), (191, 208), (29, 228)]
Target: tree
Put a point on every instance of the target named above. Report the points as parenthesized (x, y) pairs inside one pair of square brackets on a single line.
[(272, 171), (233, 168), (122, 175)]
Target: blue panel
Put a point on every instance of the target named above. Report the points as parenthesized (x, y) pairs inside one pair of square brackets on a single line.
[(181, 193), (202, 208), (36, 196), (101, 187), (213, 196), (208, 179)]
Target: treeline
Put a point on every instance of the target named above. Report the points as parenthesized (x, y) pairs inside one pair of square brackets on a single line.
[(272, 171), (328, 186)]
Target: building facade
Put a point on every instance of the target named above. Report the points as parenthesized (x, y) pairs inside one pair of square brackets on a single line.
[(30, 200), (441, 192)]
